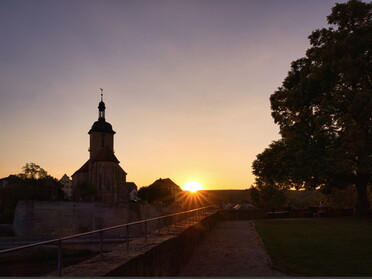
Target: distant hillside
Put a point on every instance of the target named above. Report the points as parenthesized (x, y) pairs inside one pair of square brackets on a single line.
[(297, 199), (225, 196)]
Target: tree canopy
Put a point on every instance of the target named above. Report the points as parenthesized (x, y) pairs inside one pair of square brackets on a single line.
[(33, 171), (324, 110), (32, 184)]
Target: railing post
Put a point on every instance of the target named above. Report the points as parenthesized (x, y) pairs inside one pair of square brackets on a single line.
[(101, 244), (145, 231), (196, 238), (59, 265), (127, 230)]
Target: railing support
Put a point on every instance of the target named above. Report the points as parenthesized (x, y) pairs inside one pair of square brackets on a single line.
[(145, 231), (59, 264), (196, 238), (101, 244), (127, 229)]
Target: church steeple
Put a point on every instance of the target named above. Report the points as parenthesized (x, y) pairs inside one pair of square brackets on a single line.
[(101, 108), (101, 125), (101, 133)]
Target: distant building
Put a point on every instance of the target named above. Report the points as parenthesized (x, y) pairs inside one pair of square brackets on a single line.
[(132, 190), (67, 186), (102, 170), (167, 184), (162, 191)]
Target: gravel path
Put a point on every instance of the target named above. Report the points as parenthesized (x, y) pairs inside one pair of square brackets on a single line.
[(233, 249)]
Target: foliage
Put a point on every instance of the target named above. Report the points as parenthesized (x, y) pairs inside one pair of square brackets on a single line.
[(267, 196), (319, 247), (20, 187), (33, 171), (305, 199), (324, 110), (341, 198), (153, 193)]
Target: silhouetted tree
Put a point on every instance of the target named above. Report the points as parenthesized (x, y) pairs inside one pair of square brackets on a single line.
[(26, 187), (33, 171), (324, 110), (153, 194), (267, 196)]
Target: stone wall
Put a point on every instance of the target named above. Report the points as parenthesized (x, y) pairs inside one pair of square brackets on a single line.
[(37, 218)]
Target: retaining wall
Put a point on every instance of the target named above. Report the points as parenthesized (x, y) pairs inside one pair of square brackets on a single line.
[(169, 257), (38, 218)]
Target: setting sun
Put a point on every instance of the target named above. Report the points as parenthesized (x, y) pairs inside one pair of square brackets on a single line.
[(192, 186)]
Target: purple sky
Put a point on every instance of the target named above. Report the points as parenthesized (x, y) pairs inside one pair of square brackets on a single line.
[(186, 83)]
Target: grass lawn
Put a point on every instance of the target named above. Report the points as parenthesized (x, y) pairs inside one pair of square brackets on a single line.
[(319, 246)]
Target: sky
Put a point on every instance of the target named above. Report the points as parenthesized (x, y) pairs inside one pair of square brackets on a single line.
[(186, 83)]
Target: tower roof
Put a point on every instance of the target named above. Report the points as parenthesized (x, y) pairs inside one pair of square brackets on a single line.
[(101, 126)]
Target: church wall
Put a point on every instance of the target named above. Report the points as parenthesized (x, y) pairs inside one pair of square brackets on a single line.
[(38, 218), (78, 179), (110, 179)]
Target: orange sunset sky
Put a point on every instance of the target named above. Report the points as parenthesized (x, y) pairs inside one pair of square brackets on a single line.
[(186, 83)]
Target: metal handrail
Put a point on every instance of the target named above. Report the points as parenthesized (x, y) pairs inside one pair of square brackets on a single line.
[(100, 231)]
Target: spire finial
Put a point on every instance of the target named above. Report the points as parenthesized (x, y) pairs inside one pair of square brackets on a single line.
[(101, 108)]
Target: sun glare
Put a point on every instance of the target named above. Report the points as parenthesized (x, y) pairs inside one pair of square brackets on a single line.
[(192, 186)]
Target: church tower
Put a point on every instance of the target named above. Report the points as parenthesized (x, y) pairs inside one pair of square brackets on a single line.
[(102, 171), (101, 133)]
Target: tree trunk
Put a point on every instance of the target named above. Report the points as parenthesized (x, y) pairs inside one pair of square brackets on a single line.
[(362, 207)]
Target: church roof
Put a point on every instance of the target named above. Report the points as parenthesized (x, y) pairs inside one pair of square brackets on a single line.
[(101, 126), (106, 155), (84, 168)]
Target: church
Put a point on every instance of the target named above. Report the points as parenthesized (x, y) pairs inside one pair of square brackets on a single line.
[(102, 171)]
